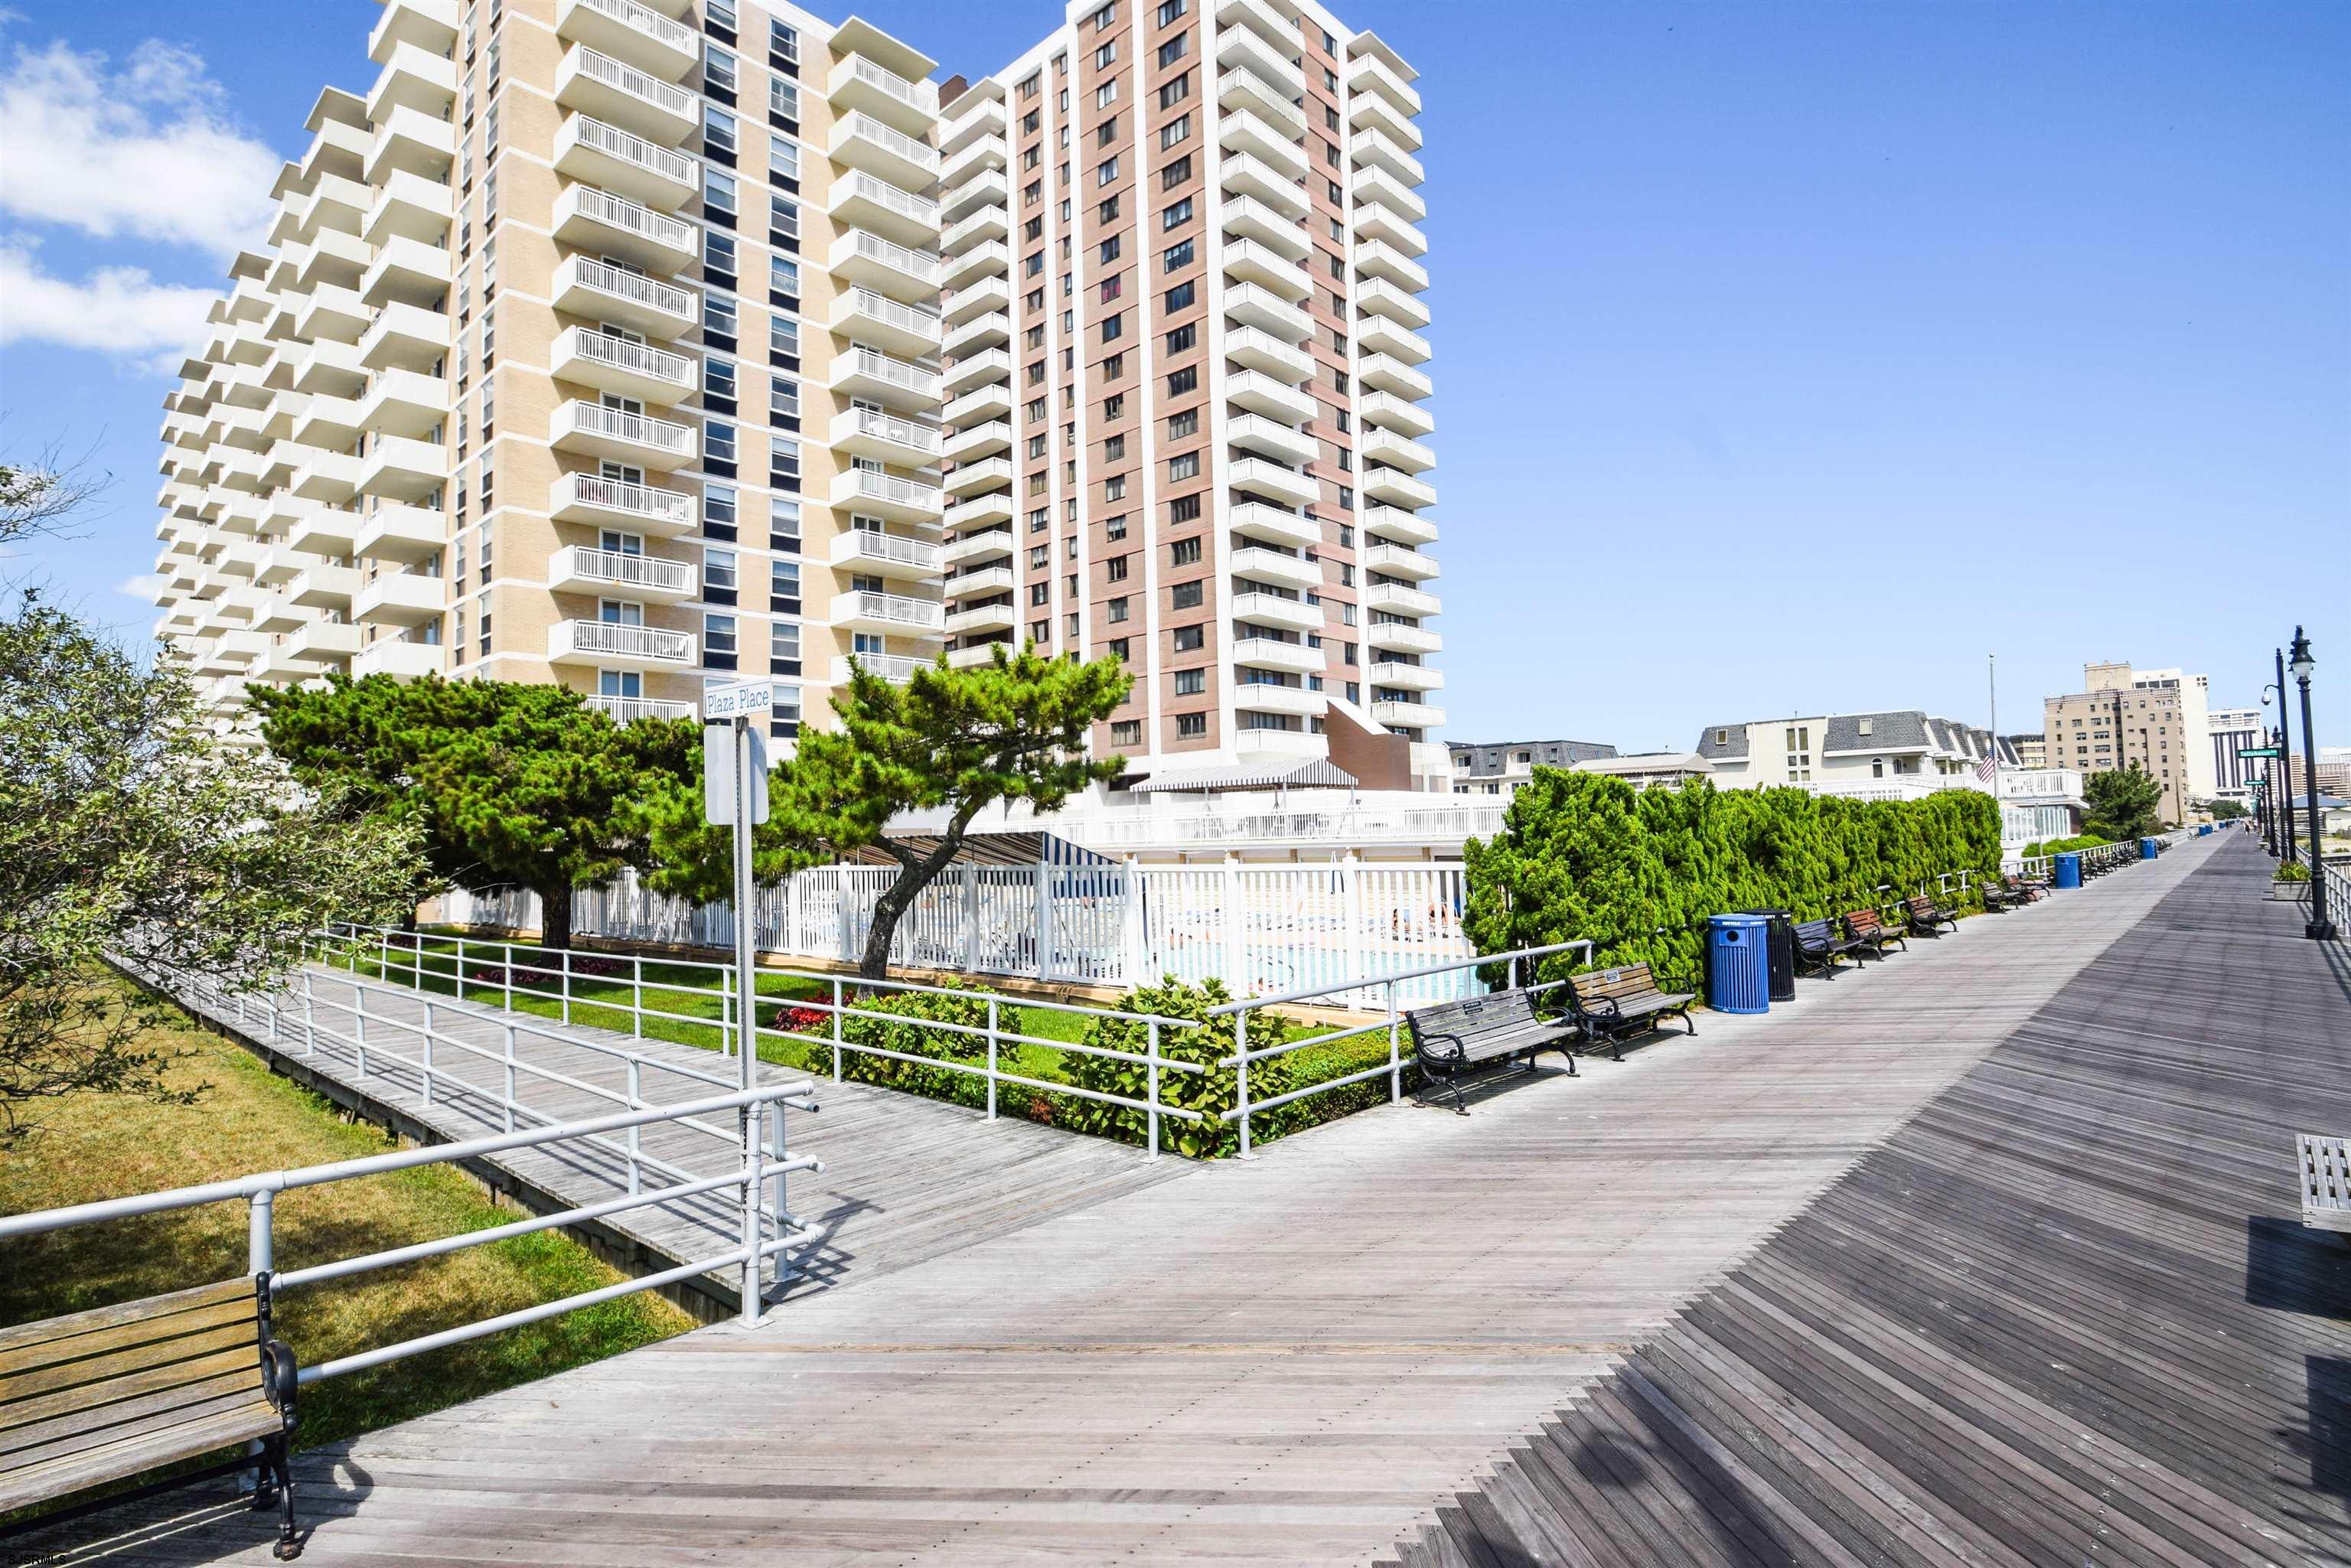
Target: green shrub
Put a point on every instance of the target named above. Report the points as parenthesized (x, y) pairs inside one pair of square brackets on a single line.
[(2065, 846), (1211, 1093), (1636, 873), (895, 1021), (2291, 871)]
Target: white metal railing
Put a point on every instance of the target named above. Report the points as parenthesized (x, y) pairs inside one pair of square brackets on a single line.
[(882, 193), (587, 130), (891, 427), (882, 307), (897, 142), (673, 506), (864, 544), (623, 569), (864, 604), (603, 68), (895, 668), (652, 24), (559, 973), (873, 362), (921, 263), (595, 419), (766, 1229), (1514, 961), (889, 81), (630, 641), (619, 211), (621, 284), (622, 354), (879, 486), (628, 710)]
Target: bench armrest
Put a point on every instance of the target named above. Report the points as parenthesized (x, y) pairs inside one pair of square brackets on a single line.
[(1439, 1047), (280, 1377)]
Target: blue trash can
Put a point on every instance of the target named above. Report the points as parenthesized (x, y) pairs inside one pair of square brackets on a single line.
[(1739, 963), (2203, 830), (2069, 869), (2149, 848)]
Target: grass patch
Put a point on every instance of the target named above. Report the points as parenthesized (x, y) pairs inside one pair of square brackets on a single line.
[(248, 1119)]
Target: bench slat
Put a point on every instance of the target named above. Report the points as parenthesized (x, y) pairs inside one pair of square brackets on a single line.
[(103, 1411), (21, 1412), (140, 1451), (158, 1353), (97, 1318)]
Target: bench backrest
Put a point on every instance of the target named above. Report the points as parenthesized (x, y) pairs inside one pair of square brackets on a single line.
[(1615, 985), (1922, 904), (1863, 923), (1471, 1015), (98, 1394), (1814, 933)]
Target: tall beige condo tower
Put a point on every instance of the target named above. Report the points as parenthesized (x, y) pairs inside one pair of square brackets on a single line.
[(637, 347), (2158, 719)]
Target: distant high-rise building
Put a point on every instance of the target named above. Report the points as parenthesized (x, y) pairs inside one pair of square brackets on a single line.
[(2235, 730), (2157, 718)]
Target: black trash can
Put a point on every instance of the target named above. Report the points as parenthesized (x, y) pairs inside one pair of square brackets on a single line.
[(1783, 952)]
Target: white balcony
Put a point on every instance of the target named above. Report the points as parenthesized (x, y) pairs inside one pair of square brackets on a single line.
[(624, 163), (329, 476), (614, 503), (1382, 374), (977, 226), (328, 644), (405, 402), (971, 479), (1272, 609), (405, 336), (1378, 187), (981, 292), (858, 84), (871, 373), (1372, 148), (1370, 111), (1391, 523), (595, 83), (1001, 616), (578, 568), (1244, 133), (407, 269), (989, 329), (860, 201), (1261, 477), (861, 142), (312, 529), (1398, 600), (988, 543), (402, 534), (325, 587), (400, 599), (628, 710), (971, 442), (1283, 361), (1252, 219), (1385, 411), (1266, 696), (330, 423), (1252, 306), (410, 206), (1398, 489), (1255, 432), (869, 433), (617, 365), (329, 367), (1407, 677), (866, 553), (411, 79), (988, 188), (1275, 399), (991, 364), (1385, 446), (974, 157), (633, 33), (1275, 525), (864, 610), (1373, 259), (979, 112), (332, 311), (1400, 560), (1369, 73), (1249, 262), (1377, 223), (895, 668), (885, 265), (1277, 63), (1258, 565), (586, 287), (605, 644), (1378, 335), (1408, 715), (1272, 653), (595, 430), (411, 140), (1401, 639), (427, 25), (614, 226), (980, 511), (886, 496), (1247, 91), (1242, 175), (886, 323)]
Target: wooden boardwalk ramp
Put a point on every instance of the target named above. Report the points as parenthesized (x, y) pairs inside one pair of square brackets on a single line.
[(1334, 1354)]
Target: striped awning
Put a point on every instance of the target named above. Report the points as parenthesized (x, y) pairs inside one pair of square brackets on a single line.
[(1320, 774), (994, 848)]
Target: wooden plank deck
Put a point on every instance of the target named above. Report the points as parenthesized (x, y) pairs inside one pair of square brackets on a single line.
[(2067, 1314), (1297, 1361), (904, 1180)]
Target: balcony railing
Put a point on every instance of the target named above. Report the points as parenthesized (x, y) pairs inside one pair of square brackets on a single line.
[(622, 354), (602, 68), (897, 143), (633, 287), (594, 418), (617, 641), (922, 96), (907, 319), (603, 207), (629, 148), (652, 574), (628, 710), (880, 367), (652, 24), (673, 509), (858, 545), (889, 427), (920, 615), (895, 668), (920, 264), (882, 193)]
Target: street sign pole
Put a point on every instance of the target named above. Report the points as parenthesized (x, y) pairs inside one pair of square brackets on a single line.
[(735, 794)]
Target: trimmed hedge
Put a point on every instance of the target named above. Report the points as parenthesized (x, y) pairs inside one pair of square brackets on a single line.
[(1585, 856), (894, 1021), (1211, 1094), (2062, 846)]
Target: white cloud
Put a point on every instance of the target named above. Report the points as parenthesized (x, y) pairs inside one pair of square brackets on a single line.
[(142, 588), (117, 310), (146, 151)]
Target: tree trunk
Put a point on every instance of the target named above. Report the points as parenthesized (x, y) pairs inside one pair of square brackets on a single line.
[(874, 962), (554, 916)]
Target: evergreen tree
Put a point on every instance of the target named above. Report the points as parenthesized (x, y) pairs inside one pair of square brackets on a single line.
[(2121, 803)]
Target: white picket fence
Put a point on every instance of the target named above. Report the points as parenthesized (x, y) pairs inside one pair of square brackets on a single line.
[(1260, 929)]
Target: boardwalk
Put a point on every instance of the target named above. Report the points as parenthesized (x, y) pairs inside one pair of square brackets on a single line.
[(905, 1178), (1330, 1356)]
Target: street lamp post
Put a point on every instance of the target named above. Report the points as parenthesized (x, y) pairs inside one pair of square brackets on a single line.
[(2285, 754), (2319, 929)]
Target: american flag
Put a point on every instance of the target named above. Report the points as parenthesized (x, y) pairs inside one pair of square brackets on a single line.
[(1988, 769)]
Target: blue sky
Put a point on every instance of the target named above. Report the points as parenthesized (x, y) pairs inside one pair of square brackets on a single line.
[(1790, 357)]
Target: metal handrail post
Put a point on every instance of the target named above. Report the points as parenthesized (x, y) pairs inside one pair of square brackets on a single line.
[(426, 1054), (309, 1024), (776, 1154), (754, 1177), (260, 1245), (636, 1103), (1153, 1114), (359, 1028), (837, 1046), (1240, 1079), (565, 955), (508, 972), (510, 1075), (1395, 1055), (637, 997), (991, 1059)]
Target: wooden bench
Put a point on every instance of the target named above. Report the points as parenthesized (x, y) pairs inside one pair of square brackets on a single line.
[(1614, 1006), (1818, 946), (1998, 898), (103, 1394), (1926, 915), (1873, 935), (1454, 1038), (2325, 1169)]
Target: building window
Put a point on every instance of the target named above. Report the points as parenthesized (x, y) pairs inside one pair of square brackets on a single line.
[(1186, 466), (1191, 726), (718, 637), (1180, 425), (1183, 552), (1189, 639), (1185, 596), (1179, 298), (1184, 509), (717, 572), (1175, 256)]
